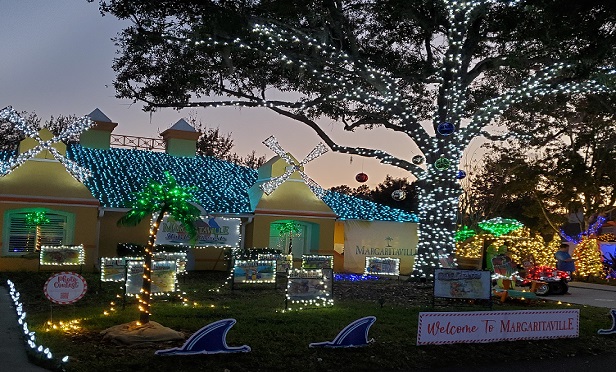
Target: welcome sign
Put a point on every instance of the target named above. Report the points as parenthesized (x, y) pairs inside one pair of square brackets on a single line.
[(492, 326), (212, 232)]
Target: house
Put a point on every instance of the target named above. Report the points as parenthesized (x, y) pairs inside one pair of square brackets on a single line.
[(86, 212)]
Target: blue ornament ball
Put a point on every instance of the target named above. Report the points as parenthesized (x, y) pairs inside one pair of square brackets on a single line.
[(445, 128), (461, 174)]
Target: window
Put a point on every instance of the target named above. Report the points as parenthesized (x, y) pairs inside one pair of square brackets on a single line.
[(20, 235), (297, 236)]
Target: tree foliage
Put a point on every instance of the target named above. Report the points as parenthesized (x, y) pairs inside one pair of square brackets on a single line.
[(219, 145), (564, 167), (10, 137)]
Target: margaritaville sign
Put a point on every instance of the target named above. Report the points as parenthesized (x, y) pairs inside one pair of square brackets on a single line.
[(493, 326), (212, 232)]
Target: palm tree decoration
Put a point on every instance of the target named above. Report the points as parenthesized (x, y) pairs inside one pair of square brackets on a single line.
[(37, 219), (289, 228), (158, 199)]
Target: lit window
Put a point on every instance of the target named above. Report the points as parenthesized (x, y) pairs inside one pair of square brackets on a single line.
[(22, 234)]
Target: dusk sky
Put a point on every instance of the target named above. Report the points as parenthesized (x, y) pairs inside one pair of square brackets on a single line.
[(56, 60)]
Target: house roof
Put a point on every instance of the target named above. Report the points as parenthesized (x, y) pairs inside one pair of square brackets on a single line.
[(222, 187), (97, 115)]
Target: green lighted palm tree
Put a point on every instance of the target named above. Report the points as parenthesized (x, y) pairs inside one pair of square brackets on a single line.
[(289, 229), (37, 219), (162, 198)]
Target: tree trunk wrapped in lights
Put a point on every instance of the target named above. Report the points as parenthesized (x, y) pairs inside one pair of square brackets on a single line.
[(449, 70)]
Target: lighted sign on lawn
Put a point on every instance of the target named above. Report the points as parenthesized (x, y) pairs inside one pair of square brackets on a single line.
[(254, 271), (113, 269), (492, 326), (382, 266), (62, 255), (284, 262), (212, 232), (308, 288), (310, 262), (65, 288), (469, 284), (164, 277), (179, 257)]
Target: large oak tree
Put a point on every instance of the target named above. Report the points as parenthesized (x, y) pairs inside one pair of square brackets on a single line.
[(407, 65)]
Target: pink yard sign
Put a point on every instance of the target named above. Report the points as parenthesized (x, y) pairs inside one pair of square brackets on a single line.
[(65, 288), (492, 326)]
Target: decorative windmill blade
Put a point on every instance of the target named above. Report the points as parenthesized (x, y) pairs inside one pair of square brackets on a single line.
[(271, 185), (83, 123), (319, 150), (272, 143), (316, 189)]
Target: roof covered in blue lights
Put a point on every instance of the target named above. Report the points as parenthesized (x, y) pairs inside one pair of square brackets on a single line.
[(222, 187)]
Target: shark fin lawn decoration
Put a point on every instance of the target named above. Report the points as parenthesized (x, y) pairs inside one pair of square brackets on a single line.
[(353, 335), (211, 339), (611, 330)]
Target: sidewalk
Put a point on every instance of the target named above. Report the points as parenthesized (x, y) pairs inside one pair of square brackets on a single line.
[(12, 346)]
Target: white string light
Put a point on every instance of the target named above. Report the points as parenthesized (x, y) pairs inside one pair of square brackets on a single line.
[(75, 129), (271, 185)]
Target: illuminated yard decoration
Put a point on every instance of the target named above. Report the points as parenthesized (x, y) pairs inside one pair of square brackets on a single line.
[(591, 231), (156, 200), (382, 266), (587, 256), (464, 233), (271, 185), (62, 255), (500, 226), (284, 262), (313, 261), (113, 269), (254, 271), (10, 115), (308, 288), (164, 277), (180, 259), (29, 334)]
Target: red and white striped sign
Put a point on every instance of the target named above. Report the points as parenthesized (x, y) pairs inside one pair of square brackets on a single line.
[(492, 326), (65, 288)]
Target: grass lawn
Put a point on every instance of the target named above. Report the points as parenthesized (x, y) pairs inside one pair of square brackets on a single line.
[(279, 340)]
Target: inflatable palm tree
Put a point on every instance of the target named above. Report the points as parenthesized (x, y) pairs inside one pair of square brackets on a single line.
[(158, 199)]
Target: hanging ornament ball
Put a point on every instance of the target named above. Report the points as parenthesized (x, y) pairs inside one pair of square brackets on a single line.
[(398, 195), (461, 174), (445, 128), (417, 159), (442, 164), (361, 177)]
